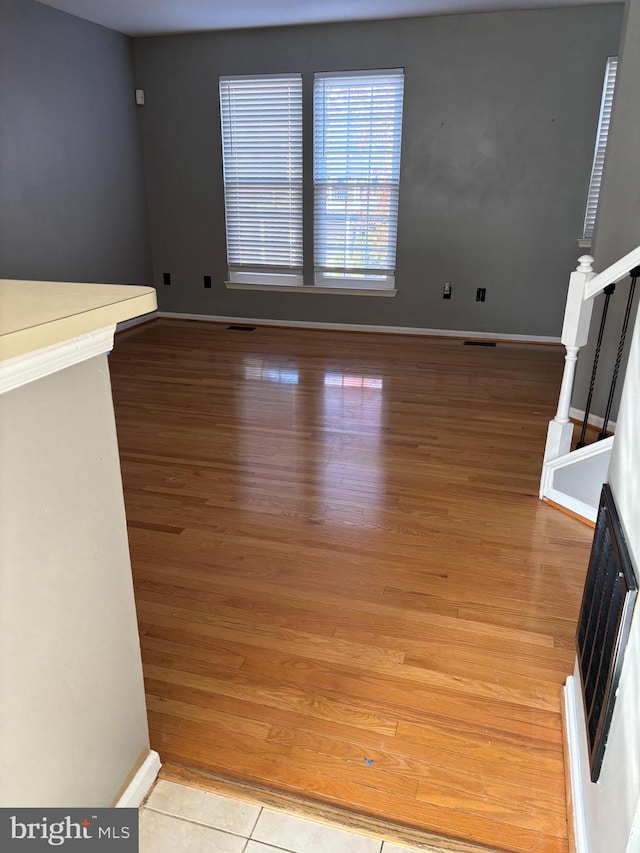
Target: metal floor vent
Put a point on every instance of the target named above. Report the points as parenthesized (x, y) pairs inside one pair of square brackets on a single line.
[(479, 343), (241, 328), (603, 627)]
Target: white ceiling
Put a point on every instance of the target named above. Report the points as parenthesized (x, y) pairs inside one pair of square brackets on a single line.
[(154, 17)]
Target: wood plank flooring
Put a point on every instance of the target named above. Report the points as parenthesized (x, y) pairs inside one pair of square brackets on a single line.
[(346, 585)]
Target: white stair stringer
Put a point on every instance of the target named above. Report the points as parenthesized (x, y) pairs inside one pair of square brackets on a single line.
[(575, 479)]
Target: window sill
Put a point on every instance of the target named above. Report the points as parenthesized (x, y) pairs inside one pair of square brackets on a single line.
[(292, 288)]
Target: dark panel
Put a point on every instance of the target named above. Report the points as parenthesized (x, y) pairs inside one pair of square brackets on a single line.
[(603, 627)]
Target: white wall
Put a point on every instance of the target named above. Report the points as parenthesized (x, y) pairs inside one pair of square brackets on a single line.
[(624, 471), (619, 788), (73, 724), (613, 803)]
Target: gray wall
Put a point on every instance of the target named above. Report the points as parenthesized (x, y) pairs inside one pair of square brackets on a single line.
[(618, 225), (72, 204), (73, 722), (500, 117)]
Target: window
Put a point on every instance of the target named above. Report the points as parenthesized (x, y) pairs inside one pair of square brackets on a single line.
[(261, 120), (357, 118), (600, 150), (356, 156)]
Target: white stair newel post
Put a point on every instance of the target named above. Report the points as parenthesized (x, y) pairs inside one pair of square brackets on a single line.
[(575, 332), (566, 388)]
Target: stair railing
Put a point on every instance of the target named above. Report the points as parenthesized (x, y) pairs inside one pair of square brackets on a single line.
[(584, 286), (634, 273)]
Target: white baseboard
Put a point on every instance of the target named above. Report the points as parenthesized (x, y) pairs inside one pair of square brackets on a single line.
[(578, 507), (594, 420), (135, 321), (357, 327), (141, 783), (576, 770)]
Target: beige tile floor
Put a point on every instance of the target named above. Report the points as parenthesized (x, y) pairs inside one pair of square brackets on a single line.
[(179, 819)]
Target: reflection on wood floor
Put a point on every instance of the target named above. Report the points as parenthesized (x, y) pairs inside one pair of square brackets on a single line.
[(346, 585)]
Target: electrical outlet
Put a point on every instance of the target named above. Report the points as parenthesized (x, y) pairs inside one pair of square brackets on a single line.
[(207, 281), (481, 294), (166, 278), (446, 290)]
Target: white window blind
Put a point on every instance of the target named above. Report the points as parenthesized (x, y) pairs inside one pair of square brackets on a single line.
[(261, 121), (357, 136), (601, 146)]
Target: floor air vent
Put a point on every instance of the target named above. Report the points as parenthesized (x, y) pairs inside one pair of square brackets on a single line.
[(241, 328), (603, 627), (479, 343)]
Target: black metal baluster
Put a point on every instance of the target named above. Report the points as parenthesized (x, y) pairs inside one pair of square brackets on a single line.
[(608, 292), (635, 272)]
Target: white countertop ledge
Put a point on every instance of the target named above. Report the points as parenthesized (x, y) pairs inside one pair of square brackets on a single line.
[(35, 315)]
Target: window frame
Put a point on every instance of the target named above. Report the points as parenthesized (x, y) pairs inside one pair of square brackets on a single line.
[(599, 152), (375, 283), (249, 179), (351, 167)]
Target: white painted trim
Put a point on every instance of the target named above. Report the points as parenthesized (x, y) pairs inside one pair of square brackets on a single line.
[(142, 782), (593, 449), (347, 280), (594, 420), (573, 504), (135, 321), (577, 310), (576, 770), (558, 443), (634, 836), (22, 369), (357, 327), (545, 480), (575, 456), (316, 288)]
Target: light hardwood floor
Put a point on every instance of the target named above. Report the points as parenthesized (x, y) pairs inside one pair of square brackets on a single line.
[(346, 585)]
